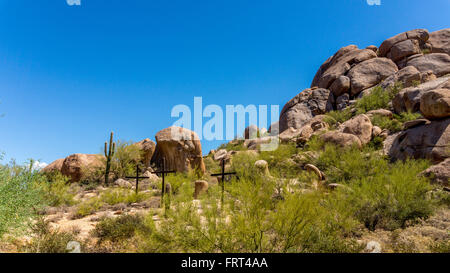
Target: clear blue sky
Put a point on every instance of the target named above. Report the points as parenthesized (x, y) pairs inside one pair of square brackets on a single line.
[(71, 74)]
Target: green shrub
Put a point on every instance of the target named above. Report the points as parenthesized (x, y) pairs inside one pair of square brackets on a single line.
[(117, 195), (19, 198), (395, 124), (120, 228), (235, 145), (46, 240), (88, 207), (377, 99), (57, 190), (279, 160), (389, 197), (335, 117)]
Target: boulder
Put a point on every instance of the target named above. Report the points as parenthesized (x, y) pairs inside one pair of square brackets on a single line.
[(251, 132), (408, 99), (376, 131), (380, 112), (435, 104), (408, 76), (147, 148), (263, 167), (420, 35), (221, 154), (306, 131), (122, 183), (438, 63), (342, 101), (369, 73), (341, 139), (415, 123), (255, 144), (440, 41), (201, 187), (78, 166), (340, 64), (54, 166), (181, 149), (304, 106), (404, 49), (439, 173), (431, 141), (360, 126), (340, 86)]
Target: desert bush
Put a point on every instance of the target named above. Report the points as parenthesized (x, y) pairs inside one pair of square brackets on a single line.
[(377, 99), (120, 228), (395, 124), (235, 145), (244, 164), (125, 158), (117, 195), (19, 198), (46, 240), (390, 196), (87, 207), (335, 117), (56, 189), (279, 160)]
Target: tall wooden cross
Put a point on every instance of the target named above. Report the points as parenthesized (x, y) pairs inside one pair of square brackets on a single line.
[(222, 174), (163, 173), (137, 177)]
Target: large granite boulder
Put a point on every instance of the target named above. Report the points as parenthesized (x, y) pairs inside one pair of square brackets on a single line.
[(369, 73), (79, 166), (341, 139), (304, 106), (181, 149), (440, 41), (54, 166), (360, 126), (251, 132), (435, 104), (439, 173), (438, 63), (431, 141), (147, 148), (311, 127), (408, 99), (339, 64), (420, 35)]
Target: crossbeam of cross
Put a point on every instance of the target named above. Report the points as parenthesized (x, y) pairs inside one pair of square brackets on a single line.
[(163, 173), (137, 177), (222, 175)]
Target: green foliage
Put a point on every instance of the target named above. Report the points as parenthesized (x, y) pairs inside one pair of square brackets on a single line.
[(46, 240), (279, 162), (120, 228), (56, 189), (19, 198), (395, 124), (88, 207), (125, 158), (377, 99), (235, 145), (117, 195), (211, 165), (335, 117), (441, 247), (389, 197), (244, 164)]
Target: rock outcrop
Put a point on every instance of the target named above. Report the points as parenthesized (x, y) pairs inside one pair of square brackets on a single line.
[(54, 166), (431, 141), (78, 166), (147, 148), (439, 173), (341, 139), (311, 127), (360, 126), (181, 149), (307, 104), (435, 104), (440, 41)]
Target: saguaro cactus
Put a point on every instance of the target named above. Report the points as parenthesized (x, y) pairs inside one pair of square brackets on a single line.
[(109, 153)]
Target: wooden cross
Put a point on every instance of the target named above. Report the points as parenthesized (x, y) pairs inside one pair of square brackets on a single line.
[(222, 174), (137, 177), (163, 173)]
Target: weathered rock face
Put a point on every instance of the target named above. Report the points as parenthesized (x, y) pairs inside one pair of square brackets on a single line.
[(435, 104), (201, 187), (439, 173), (339, 64), (251, 132), (419, 35), (440, 41), (147, 148), (77, 166), (369, 73), (431, 141), (314, 125), (54, 166), (341, 139), (438, 63), (342, 101), (360, 126), (408, 99), (407, 76), (181, 149), (304, 106), (222, 154), (340, 86)]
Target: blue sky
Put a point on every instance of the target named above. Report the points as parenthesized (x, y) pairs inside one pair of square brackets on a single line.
[(71, 74)]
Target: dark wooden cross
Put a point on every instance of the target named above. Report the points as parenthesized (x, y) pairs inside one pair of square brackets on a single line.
[(222, 174), (137, 177), (163, 173)]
